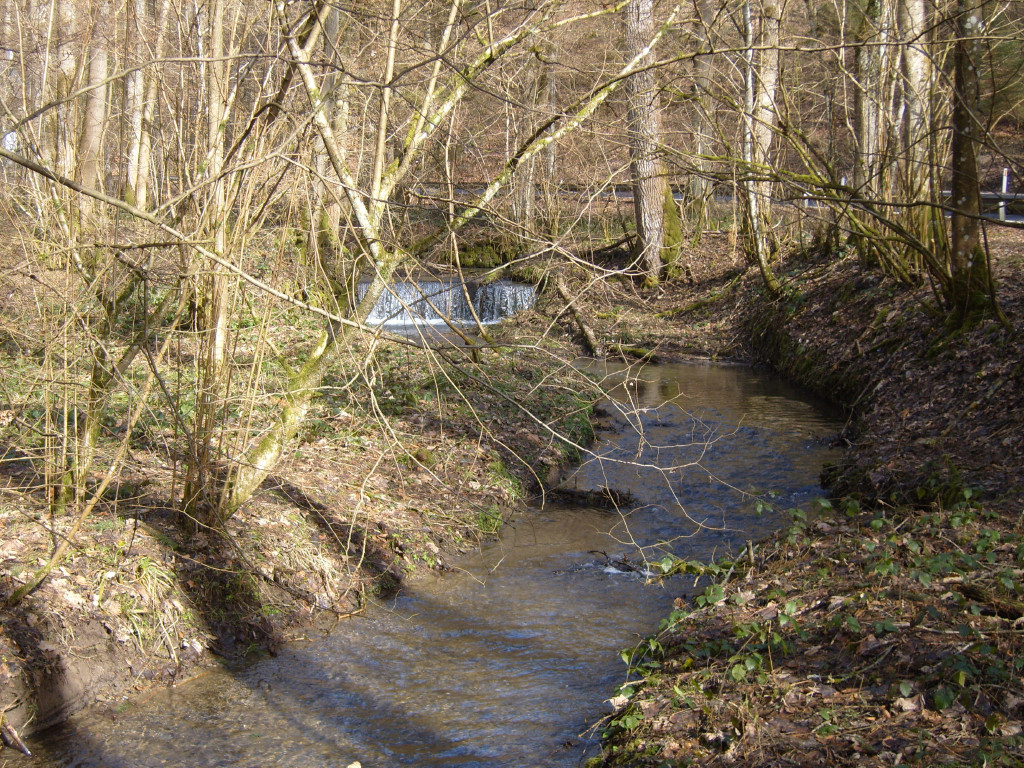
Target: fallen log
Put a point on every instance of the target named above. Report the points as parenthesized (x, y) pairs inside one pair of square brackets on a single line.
[(589, 338), (1003, 607)]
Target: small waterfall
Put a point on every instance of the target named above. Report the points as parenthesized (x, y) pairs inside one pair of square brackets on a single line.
[(503, 299), (432, 302)]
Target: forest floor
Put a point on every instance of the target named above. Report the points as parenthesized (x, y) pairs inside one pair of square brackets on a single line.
[(885, 627)]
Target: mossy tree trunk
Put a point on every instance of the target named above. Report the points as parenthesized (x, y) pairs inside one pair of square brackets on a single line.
[(969, 279), (247, 474)]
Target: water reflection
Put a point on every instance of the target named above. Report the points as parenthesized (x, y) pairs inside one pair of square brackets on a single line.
[(695, 445)]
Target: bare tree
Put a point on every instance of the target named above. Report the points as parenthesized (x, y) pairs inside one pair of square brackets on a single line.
[(761, 81), (331, 121), (141, 88), (218, 285), (644, 128), (969, 280), (371, 199)]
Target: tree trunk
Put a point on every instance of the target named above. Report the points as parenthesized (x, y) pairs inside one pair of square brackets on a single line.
[(520, 124), (90, 156), (89, 168), (701, 189), (327, 209), (142, 98), (761, 77), (917, 165), (969, 278), (879, 113), (867, 97), (303, 384), (644, 137), (135, 96), (201, 502), (65, 120), (549, 175)]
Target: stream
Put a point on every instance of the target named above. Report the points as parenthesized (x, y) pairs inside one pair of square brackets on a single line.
[(508, 661)]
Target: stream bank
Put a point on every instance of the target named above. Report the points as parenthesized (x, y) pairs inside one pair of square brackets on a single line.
[(366, 497), (506, 661), (883, 628)]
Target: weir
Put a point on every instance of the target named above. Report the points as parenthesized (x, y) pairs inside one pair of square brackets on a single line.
[(440, 302)]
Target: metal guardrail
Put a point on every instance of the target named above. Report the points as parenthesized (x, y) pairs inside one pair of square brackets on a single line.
[(1003, 205)]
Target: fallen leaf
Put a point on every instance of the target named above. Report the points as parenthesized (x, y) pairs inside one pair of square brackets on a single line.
[(618, 702), (1009, 728), (910, 703)]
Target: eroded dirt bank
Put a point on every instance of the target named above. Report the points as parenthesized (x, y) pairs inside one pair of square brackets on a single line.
[(886, 627), (367, 495)]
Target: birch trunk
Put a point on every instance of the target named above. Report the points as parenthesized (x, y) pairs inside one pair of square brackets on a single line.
[(761, 77)]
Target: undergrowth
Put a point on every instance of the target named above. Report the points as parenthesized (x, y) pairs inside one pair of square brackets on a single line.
[(877, 637)]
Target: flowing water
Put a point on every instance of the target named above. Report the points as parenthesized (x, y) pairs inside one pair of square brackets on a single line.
[(510, 660), (407, 306)]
